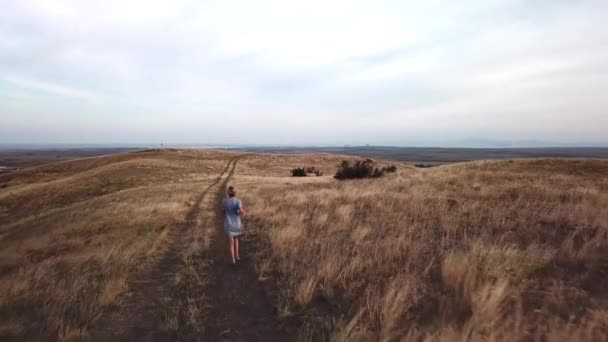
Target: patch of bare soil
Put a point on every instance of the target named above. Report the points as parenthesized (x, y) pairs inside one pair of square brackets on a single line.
[(241, 307)]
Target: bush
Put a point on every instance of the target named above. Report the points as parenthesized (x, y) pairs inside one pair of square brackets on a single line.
[(298, 172), (308, 171), (362, 169)]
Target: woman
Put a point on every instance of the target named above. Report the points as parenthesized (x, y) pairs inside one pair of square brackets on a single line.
[(233, 209)]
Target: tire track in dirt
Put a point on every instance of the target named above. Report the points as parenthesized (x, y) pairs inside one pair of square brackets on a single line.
[(139, 315), (240, 307)]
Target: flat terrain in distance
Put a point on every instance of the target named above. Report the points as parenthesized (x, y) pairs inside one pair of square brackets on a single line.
[(129, 247), (435, 155), (13, 158)]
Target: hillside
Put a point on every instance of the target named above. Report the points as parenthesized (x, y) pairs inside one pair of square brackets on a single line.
[(127, 247)]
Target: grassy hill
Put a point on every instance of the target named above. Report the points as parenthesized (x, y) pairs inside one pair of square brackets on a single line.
[(501, 250)]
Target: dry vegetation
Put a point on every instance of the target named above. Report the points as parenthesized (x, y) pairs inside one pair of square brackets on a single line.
[(280, 165), (497, 250), (505, 250), (73, 234)]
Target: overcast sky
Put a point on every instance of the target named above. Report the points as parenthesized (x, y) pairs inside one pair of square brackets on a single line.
[(440, 73)]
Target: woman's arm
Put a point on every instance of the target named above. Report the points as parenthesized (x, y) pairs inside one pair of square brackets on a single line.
[(241, 210)]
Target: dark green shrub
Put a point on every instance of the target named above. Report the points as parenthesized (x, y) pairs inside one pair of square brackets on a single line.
[(362, 169), (298, 172), (306, 171)]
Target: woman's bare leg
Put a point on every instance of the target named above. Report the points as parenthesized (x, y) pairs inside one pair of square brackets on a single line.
[(231, 246), (236, 247)]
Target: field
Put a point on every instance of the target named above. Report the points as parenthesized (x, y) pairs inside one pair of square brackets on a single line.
[(15, 159), (129, 247)]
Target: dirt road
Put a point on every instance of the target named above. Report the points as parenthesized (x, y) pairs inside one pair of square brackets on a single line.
[(236, 304)]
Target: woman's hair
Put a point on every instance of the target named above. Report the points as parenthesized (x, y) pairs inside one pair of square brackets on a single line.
[(231, 191)]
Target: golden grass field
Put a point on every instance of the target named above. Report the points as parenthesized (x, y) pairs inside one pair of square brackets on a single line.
[(479, 251), (74, 233), (492, 250)]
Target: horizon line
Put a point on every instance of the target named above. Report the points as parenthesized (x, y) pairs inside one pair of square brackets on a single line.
[(292, 146)]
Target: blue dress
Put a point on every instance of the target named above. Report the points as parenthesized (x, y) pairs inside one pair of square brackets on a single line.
[(232, 216)]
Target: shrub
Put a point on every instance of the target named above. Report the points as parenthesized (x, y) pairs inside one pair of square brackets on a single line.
[(298, 172), (307, 171), (362, 169)]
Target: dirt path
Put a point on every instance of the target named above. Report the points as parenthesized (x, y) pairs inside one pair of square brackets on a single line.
[(140, 314), (240, 307)]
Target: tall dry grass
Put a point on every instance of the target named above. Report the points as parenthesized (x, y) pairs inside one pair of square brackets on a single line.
[(475, 251), (73, 234), (509, 250)]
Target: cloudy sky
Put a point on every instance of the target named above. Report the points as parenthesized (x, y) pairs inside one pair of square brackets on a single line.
[(440, 73)]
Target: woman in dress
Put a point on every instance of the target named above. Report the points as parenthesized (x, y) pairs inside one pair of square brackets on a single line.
[(233, 209)]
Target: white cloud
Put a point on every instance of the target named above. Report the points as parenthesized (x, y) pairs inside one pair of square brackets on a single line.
[(52, 88), (343, 65)]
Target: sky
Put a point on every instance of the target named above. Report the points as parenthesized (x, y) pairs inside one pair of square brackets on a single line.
[(404, 73)]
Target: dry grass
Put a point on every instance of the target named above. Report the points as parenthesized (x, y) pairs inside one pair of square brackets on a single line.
[(185, 309), (72, 234), (475, 251), (280, 165), (509, 250)]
